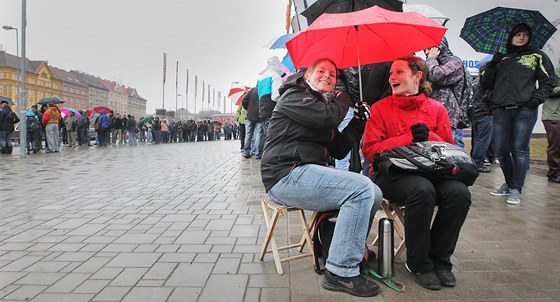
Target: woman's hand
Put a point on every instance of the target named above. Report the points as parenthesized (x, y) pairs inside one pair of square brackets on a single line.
[(361, 111), (432, 53), (420, 132)]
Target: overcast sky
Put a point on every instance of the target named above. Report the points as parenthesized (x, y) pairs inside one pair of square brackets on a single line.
[(220, 41)]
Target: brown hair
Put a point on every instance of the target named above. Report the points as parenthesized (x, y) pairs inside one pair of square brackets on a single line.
[(416, 64), (312, 66)]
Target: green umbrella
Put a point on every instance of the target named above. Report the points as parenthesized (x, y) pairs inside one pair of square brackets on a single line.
[(146, 119), (488, 31)]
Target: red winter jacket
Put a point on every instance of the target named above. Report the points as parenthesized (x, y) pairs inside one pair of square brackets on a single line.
[(391, 118)]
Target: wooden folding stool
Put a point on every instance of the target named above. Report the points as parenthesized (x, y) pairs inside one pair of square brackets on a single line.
[(272, 212)]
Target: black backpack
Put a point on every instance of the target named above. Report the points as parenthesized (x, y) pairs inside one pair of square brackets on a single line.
[(32, 123), (323, 231)]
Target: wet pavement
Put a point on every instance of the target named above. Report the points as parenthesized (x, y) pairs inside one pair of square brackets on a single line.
[(182, 222)]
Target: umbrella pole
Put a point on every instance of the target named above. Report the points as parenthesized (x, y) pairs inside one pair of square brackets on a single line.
[(359, 69)]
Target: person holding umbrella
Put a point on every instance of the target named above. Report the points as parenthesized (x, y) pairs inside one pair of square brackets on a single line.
[(406, 117), (302, 136), (515, 98)]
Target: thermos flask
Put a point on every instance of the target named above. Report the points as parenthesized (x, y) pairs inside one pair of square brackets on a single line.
[(385, 256)]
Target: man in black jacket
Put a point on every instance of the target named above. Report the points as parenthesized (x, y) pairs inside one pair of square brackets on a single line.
[(253, 125), (7, 121)]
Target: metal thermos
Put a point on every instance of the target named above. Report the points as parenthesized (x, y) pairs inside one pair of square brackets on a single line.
[(385, 256)]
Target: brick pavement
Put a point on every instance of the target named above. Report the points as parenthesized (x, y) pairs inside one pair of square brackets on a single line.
[(181, 222)]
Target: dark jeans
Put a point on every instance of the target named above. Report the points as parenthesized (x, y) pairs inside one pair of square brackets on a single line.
[(552, 129), (242, 135), (481, 138), (512, 135), (428, 249)]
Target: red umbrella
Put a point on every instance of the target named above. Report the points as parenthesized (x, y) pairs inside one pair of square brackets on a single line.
[(99, 108), (367, 36), (236, 94)]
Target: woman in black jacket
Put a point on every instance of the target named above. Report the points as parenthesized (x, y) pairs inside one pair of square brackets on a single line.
[(302, 136), (515, 99)]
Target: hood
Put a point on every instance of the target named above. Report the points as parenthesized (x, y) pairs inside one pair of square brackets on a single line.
[(274, 64), (292, 80), (29, 113), (445, 53), (517, 28), (103, 112)]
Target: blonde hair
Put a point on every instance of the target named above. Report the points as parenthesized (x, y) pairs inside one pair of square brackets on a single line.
[(416, 64)]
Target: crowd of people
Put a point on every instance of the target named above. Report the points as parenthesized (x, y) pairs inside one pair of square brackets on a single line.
[(317, 121)]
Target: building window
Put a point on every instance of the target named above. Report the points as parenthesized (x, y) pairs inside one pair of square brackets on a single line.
[(31, 81), (48, 84), (39, 82), (55, 86)]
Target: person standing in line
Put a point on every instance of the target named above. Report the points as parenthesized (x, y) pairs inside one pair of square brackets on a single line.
[(8, 119), (253, 125), (103, 128), (268, 84), (551, 121), (71, 127), (51, 120), (482, 125), (515, 100), (447, 74), (241, 112)]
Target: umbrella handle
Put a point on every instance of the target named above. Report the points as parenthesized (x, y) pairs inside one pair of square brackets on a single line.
[(359, 66)]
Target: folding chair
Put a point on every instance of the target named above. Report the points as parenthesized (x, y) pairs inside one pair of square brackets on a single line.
[(396, 213), (272, 212)]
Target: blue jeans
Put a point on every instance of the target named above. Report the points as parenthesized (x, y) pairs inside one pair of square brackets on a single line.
[(458, 137), (253, 130), (481, 138), (319, 188), (512, 134)]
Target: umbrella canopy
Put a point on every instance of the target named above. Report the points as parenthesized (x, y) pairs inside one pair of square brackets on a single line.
[(7, 99), (50, 99), (427, 11), (278, 42), (344, 6), (236, 94), (146, 119), (488, 31), (99, 108), (89, 113), (66, 112), (368, 36)]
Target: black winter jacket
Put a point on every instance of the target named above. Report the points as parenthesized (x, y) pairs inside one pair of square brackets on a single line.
[(513, 78), (303, 130), (251, 104)]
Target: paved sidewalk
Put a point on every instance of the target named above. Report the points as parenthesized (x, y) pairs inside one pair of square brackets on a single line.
[(182, 222)]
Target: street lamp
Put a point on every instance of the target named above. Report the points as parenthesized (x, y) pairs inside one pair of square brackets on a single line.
[(7, 27)]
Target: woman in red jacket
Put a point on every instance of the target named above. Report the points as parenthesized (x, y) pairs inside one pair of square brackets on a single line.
[(408, 116)]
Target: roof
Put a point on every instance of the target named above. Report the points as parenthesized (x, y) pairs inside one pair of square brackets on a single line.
[(9, 60), (67, 76), (90, 80)]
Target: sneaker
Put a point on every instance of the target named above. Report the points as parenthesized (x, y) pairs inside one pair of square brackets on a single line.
[(554, 179), (504, 190), (446, 277), (495, 162), (514, 197), (427, 280), (484, 169), (356, 286), (486, 162)]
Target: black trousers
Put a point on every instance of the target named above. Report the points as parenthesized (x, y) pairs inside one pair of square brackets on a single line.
[(428, 248)]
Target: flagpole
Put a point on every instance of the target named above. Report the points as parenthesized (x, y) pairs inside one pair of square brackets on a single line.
[(187, 92), (176, 85), (164, 72)]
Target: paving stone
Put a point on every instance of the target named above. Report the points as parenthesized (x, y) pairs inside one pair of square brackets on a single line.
[(112, 293), (224, 288)]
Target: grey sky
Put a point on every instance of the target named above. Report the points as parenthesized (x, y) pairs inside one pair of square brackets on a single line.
[(220, 41)]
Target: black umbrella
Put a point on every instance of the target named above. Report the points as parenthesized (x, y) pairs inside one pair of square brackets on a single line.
[(50, 99), (346, 6), (7, 99)]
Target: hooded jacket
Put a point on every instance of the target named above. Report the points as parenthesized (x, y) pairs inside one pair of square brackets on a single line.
[(303, 130), (103, 120), (8, 118), (447, 77), (391, 118), (514, 75), (251, 104), (268, 84)]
